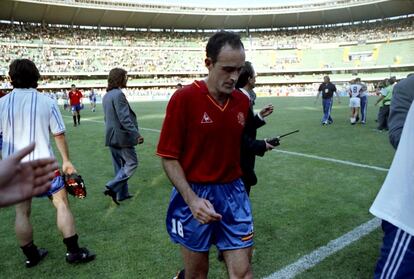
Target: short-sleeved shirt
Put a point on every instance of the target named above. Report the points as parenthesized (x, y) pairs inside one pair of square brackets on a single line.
[(327, 90), (27, 116), (355, 90), (387, 95), (75, 96), (204, 136)]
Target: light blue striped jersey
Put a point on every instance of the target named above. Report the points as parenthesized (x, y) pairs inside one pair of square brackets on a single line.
[(27, 116)]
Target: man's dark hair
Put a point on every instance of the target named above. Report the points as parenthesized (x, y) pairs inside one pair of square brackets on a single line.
[(220, 39), (246, 73), (392, 80), (23, 74), (73, 85), (116, 78)]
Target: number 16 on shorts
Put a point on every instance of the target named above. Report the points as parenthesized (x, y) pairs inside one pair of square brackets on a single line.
[(177, 227)]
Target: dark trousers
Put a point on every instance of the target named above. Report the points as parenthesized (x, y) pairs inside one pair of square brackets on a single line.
[(383, 114), (364, 105), (125, 161)]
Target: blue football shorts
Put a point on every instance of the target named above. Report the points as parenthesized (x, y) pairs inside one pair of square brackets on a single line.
[(233, 231), (77, 107), (397, 254), (57, 184)]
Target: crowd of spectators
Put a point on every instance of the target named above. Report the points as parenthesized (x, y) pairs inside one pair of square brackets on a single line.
[(79, 36), (70, 60), (73, 50), (360, 33), (68, 50), (38, 34)]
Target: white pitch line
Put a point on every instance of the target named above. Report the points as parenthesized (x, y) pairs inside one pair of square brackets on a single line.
[(312, 259), (331, 160)]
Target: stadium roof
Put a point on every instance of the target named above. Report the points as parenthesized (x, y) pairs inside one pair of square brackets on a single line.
[(139, 14)]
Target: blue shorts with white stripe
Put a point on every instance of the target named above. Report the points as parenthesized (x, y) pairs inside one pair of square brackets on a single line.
[(397, 254)]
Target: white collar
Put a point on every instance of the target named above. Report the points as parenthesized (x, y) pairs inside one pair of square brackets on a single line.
[(245, 92)]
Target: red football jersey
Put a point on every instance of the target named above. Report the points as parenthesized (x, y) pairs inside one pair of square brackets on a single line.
[(75, 97), (204, 136)]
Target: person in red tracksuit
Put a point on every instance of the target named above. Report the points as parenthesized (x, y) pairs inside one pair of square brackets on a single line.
[(75, 100)]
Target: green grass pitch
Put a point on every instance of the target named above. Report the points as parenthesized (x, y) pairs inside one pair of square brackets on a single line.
[(299, 203)]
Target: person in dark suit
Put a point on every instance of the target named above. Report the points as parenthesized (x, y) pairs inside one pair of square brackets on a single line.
[(121, 135), (250, 146)]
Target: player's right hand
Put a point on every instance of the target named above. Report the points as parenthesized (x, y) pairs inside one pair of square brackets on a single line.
[(203, 211), (68, 168), (140, 140)]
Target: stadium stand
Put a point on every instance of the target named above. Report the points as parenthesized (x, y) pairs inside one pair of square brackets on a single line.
[(286, 59)]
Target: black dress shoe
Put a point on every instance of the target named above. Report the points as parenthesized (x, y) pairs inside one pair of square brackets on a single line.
[(125, 198), (112, 194)]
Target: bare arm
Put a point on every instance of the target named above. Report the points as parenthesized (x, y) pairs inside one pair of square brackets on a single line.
[(337, 95), (201, 209), (317, 96), (62, 146)]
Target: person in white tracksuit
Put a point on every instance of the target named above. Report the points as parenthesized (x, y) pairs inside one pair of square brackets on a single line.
[(394, 203)]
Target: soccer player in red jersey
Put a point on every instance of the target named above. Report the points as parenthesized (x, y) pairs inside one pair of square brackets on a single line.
[(200, 149), (75, 100)]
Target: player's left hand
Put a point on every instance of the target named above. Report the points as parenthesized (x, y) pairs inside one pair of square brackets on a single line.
[(266, 111), (140, 140)]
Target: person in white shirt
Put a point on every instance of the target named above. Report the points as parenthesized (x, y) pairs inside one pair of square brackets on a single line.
[(394, 203), (354, 92), (27, 116)]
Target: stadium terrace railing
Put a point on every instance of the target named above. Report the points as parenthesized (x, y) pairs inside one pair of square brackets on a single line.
[(193, 9)]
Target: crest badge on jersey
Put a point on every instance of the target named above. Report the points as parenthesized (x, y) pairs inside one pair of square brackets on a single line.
[(206, 119), (241, 118)]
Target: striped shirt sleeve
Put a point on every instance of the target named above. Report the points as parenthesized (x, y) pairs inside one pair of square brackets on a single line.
[(57, 126)]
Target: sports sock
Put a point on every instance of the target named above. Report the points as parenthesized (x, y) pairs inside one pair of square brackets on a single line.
[(78, 118), (74, 119), (72, 243), (30, 250)]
